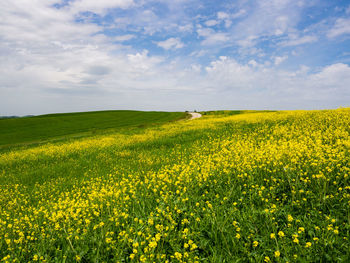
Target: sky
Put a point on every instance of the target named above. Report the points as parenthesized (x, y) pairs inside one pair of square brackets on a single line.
[(173, 55)]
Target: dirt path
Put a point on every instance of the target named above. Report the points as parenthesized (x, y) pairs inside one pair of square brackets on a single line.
[(195, 115)]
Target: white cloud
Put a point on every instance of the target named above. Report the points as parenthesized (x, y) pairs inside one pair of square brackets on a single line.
[(334, 76), (196, 68), (267, 18), (247, 42), (171, 43), (211, 37), (271, 87), (37, 23), (150, 22), (228, 17), (223, 15), (98, 7), (211, 22), (200, 53), (295, 41), (124, 37), (215, 38), (253, 63), (279, 60), (185, 28), (238, 14), (143, 61), (341, 27)]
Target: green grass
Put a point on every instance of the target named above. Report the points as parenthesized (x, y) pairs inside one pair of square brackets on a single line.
[(55, 126)]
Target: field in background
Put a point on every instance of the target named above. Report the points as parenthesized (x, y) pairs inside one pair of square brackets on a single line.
[(232, 112), (58, 126), (257, 187)]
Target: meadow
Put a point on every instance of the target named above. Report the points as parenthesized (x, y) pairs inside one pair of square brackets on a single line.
[(228, 187), (38, 129)]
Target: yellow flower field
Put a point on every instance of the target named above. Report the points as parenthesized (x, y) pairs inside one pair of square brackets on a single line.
[(254, 187)]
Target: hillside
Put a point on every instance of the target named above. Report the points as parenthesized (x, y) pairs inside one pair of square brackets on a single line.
[(57, 126)]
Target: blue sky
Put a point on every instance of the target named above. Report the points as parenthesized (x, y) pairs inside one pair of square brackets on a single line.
[(79, 55)]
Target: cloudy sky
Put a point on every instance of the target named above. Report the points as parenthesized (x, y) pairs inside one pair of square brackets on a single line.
[(80, 55)]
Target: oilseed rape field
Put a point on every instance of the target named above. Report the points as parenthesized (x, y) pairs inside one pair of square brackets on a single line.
[(247, 187)]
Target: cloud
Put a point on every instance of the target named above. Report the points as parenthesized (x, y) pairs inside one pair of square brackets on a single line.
[(266, 19), (98, 7), (211, 37), (98, 70), (252, 84), (142, 60), (211, 22), (223, 15), (228, 17), (295, 41), (37, 24), (124, 37), (171, 43), (279, 60), (341, 27), (335, 76), (185, 28)]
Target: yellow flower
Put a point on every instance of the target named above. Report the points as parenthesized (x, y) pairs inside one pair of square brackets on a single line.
[(272, 235), (35, 258), (193, 246), (281, 234), (277, 254), (77, 258), (255, 243), (308, 244), (5, 258), (267, 259), (153, 244), (290, 218), (178, 255), (238, 236), (132, 256)]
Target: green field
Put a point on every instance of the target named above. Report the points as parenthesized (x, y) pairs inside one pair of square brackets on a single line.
[(227, 187), (55, 126)]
